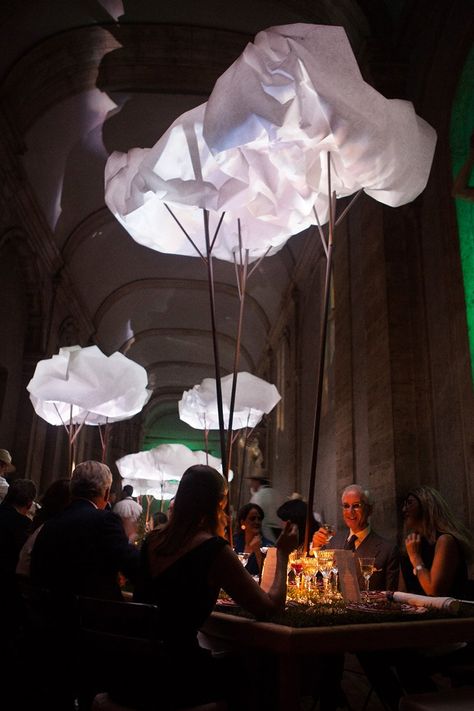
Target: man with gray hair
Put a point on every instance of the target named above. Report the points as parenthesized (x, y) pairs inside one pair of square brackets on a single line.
[(82, 550), (357, 506)]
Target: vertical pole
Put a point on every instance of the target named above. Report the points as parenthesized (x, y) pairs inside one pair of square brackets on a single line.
[(210, 280), (322, 354)]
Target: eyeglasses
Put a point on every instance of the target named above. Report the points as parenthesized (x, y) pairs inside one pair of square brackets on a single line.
[(355, 507)]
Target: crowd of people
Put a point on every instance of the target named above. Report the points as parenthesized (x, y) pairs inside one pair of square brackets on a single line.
[(76, 544)]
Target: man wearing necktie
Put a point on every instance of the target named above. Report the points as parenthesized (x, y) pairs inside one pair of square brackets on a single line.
[(357, 506)]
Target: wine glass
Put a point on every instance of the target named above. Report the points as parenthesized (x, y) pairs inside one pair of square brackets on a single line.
[(325, 565), (244, 558), (367, 567), (330, 530), (296, 565)]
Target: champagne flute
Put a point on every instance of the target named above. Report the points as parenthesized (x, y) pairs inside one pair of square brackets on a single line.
[(367, 567)]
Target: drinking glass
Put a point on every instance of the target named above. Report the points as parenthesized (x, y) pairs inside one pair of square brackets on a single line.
[(330, 530), (296, 565), (325, 565), (244, 558), (367, 568), (310, 569)]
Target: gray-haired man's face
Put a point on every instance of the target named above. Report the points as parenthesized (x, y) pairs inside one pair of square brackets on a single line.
[(355, 511)]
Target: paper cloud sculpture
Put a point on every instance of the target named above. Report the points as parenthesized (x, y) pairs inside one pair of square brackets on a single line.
[(84, 386), (158, 471), (254, 397), (257, 150)]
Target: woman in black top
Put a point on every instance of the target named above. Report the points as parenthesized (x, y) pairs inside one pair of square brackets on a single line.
[(438, 546), (183, 568)]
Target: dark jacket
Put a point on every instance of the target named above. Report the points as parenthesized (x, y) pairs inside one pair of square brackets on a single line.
[(81, 551), (387, 558)]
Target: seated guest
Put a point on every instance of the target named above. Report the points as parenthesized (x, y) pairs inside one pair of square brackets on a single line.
[(357, 507), (183, 567), (160, 519), (55, 499), (438, 546), (295, 510), (15, 526), (82, 550), (249, 537)]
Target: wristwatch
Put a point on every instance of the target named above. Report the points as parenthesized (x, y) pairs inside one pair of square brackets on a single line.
[(417, 569)]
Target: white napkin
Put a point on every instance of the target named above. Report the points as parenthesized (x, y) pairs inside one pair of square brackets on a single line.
[(449, 604)]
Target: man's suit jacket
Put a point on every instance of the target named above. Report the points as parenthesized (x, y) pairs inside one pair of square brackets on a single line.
[(387, 558), (81, 551)]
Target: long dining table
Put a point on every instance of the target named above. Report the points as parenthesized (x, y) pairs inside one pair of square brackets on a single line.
[(226, 631)]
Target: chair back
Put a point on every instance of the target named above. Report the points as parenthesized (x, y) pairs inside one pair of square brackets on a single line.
[(117, 642), (115, 627)]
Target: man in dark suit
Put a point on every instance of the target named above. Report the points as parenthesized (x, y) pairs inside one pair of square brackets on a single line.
[(81, 551), (357, 506)]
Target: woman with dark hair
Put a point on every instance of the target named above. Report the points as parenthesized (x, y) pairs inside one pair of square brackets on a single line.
[(438, 546), (249, 538), (183, 567)]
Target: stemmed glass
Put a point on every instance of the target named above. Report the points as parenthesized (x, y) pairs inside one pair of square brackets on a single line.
[(367, 568), (244, 558), (325, 566), (330, 530), (296, 565)]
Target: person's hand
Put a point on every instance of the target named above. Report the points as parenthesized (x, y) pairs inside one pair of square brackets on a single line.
[(254, 544), (413, 546), (288, 538), (320, 538)]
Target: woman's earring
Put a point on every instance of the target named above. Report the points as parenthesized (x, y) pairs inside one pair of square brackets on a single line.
[(242, 527)]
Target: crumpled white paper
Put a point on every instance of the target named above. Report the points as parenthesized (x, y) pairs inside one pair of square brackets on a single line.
[(83, 385), (254, 397), (158, 471), (257, 150)]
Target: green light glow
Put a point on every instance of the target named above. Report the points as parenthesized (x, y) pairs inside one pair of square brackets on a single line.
[(462, 126)]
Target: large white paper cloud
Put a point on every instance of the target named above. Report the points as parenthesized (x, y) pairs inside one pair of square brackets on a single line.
[(257, 150), (254, 397), (158, 471), (83, 385)]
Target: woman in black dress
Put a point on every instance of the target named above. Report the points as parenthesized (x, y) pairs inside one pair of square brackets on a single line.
[(438, 546), (183, 568)]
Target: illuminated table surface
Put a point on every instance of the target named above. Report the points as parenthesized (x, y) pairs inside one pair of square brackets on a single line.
[(225, 631)]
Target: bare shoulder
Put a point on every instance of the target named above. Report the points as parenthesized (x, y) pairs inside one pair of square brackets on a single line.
[(447, 543)]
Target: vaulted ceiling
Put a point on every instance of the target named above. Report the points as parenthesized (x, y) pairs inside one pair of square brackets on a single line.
[(80, 80)]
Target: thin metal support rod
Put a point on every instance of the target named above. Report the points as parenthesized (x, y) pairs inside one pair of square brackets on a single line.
[(322, 353), (321, 232), (212, 300), (243, 284), (104, 439), (248, 433), (346, 210), (217, 230), (185, 232), (257, 263)]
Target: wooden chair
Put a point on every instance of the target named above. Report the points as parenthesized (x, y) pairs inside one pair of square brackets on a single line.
[(119, 639)]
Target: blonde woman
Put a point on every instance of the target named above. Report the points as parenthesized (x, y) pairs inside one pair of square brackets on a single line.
[(438, 546)]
